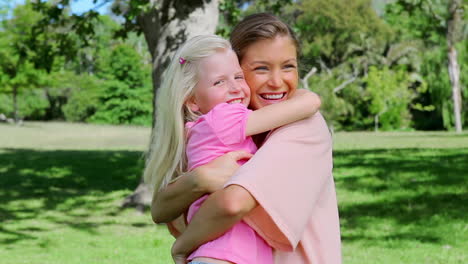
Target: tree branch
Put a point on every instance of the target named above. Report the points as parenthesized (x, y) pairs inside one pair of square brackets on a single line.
[(344, 84), (305, 79)]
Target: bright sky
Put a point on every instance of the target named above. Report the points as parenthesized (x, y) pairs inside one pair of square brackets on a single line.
[(80, 6)]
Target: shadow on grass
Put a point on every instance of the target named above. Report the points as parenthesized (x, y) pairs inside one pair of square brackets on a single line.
[(76, 184), (417, 192)]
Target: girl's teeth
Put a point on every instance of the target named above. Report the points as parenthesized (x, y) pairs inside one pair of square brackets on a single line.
[(273, 96), (235, 101)]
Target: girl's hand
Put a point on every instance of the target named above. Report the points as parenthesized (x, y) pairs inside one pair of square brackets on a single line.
[(212, 176)]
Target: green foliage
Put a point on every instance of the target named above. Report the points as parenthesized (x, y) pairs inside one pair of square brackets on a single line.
[(231, 12), (72, 67), (423, 20), (337, 110), (121, 104), (56, 60), (126, 96), (327, 28), (83, 100), (426, 21), (32, 104), (389, 97), (125, 65), (58, 33)]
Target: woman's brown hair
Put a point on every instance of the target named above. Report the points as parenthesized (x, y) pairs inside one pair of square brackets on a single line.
[(257, 27)]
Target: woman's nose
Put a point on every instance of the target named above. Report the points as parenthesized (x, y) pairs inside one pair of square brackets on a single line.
[(275, 79)]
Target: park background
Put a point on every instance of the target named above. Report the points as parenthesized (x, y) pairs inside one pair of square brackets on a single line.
[(79, 85)]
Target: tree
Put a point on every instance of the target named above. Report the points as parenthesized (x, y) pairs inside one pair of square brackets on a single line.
[(453, 36), (17, 71), (437, 24), (125, 96), (328, 27), (389, 97), (165, 25)]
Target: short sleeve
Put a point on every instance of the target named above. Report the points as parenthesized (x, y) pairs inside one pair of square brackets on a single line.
[(287, 176), (228, 122)]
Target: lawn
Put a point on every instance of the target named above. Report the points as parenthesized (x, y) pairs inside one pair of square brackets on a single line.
[(402, 196)]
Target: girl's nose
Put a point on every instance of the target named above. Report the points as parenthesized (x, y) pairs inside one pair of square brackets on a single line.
[(234, 87)]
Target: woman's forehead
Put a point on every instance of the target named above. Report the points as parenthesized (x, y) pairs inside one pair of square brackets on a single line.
[(278, 48)]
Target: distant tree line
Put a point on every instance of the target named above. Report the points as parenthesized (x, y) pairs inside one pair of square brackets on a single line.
[(377, 65), (48, 72)]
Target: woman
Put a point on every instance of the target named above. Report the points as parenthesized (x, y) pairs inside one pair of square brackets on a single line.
[(286, 191)]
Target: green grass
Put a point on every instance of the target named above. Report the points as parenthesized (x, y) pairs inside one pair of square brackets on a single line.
[(402, 196)]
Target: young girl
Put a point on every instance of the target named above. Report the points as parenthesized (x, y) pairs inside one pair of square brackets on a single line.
[(202, 114)]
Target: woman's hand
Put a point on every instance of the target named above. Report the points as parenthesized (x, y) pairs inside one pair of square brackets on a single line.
[(211, 177), (178, 255)]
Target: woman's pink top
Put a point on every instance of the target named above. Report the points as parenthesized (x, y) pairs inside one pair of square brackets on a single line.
[(302, 223), (216, 133)]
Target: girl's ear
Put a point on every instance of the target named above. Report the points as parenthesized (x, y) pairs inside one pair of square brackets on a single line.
[(192, 104)]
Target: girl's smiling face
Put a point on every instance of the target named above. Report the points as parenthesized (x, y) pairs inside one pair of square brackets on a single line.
[(270, 69), (220, 80)]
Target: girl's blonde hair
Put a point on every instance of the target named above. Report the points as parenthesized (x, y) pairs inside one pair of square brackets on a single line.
[(166, 156)]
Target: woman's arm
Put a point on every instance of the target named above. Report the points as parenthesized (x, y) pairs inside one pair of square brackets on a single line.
[(218, 214), (302, 104), (173, 200)]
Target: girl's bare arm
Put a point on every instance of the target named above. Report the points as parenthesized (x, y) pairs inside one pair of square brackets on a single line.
[(302, 104)]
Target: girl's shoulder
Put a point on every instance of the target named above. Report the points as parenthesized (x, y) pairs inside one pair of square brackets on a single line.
[(221, 114)]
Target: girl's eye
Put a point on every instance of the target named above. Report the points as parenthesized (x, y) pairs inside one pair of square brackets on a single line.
[(289, 66), (218, 82), (239, 77)]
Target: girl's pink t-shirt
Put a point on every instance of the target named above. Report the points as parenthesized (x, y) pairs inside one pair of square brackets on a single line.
[(216, 133)]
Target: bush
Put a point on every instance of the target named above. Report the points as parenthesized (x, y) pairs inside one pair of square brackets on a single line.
[(122, 105), (32, 104), (83, 100)]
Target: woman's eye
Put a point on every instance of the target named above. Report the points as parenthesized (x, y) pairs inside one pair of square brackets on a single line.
[(289, 66), (261, 68), (239, 77), (218, 82)]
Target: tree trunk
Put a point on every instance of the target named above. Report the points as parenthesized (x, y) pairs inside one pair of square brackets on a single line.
[(453, 67), (454, 71), (165, 28), (15, 104), (376, 123)]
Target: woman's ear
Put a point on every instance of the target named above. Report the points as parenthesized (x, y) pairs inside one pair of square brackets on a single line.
[(192, 104)]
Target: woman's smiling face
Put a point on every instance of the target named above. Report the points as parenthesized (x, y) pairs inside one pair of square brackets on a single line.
[(270, 69)]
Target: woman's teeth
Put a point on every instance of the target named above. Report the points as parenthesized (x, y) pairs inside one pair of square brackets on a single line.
[(235, 101), (273, 96)]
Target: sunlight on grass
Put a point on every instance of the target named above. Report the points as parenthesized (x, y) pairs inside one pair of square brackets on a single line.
[(402, 196)]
